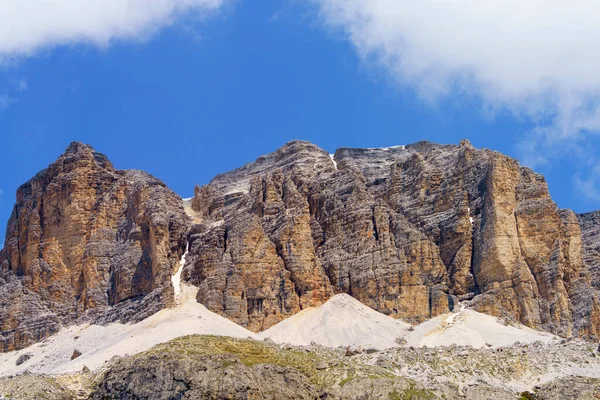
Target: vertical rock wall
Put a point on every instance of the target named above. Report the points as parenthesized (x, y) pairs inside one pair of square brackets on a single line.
[(408, 231), (87, 241)]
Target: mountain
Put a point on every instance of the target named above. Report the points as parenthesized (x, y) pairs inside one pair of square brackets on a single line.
[(87, 242), (410, 231)]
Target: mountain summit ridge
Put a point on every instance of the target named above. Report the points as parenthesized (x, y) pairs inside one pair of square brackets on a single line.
[(409, 231)]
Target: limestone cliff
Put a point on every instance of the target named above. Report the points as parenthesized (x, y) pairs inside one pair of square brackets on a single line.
[(409, 231), (87, 241), (590, 228)]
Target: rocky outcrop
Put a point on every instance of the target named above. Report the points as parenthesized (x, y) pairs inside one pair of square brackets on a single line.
[(210, 367), (224, 368), (87, 241), (216, 377), (575, 387), (409, 231)]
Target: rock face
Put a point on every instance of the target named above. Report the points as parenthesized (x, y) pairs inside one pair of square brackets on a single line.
[(590, 229), (87, 241), (219, 377), (408, 231)]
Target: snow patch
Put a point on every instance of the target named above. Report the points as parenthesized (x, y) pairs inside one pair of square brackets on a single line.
[(400, 146), (341, 321), (333, 161), (450, 320), (215, 224), (176, 278)]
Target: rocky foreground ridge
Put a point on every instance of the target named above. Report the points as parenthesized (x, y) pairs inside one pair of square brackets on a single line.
[(209, 367), (410, 231)]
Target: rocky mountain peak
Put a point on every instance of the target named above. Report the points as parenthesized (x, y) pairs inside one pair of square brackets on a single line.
[(87, 242), (297, 156), (81, 151), (466, 144), (76, 147)]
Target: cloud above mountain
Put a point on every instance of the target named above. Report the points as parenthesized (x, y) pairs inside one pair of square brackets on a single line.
[(27, 26), (589, 184), (537, 59)]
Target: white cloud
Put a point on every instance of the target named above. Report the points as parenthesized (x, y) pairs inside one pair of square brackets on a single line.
[(538, 59), (5, 101), (589, 185), (22, 85), (27, 26), (9, 92)]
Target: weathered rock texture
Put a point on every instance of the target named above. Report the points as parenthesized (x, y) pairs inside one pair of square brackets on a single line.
[(590, 229), (196, 367), (87, 241), (408, 231)]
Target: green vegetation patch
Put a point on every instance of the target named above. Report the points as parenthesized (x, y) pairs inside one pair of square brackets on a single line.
[(527, 396), (251, 352), (412, 394)]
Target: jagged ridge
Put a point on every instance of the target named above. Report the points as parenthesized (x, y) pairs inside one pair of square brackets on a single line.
[(409, 231)]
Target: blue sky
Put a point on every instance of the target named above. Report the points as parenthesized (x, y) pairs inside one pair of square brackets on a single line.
[(202, 92)]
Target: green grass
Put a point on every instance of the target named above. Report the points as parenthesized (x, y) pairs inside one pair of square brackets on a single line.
[(411, 394), (527, 396), (346, 380), (251, 352), (248, 352)]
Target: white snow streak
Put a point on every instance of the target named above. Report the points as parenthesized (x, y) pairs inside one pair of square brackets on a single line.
[(400, 146), (176, 278), (333, 160), (450, 320)]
